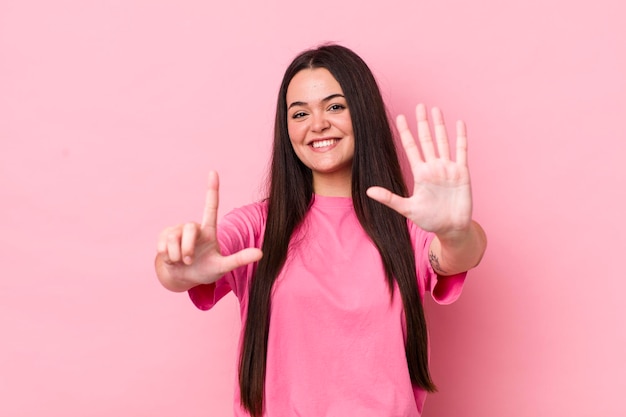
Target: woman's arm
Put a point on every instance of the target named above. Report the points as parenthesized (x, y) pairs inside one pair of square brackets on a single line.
[(450, 255), (442, 197)]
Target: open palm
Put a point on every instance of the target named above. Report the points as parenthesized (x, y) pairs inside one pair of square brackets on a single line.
[(442, 199)]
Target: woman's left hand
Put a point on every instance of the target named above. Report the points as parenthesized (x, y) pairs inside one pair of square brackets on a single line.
[(442, 197)]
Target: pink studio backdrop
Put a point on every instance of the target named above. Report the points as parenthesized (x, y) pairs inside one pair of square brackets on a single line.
[(113, 112)]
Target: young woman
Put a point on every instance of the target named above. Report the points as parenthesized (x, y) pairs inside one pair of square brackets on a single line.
[(331, 269)]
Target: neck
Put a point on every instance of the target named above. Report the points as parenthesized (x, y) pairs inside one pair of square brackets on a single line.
[(336, 185)]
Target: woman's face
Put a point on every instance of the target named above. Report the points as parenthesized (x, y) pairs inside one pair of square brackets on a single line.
[(320, 127)]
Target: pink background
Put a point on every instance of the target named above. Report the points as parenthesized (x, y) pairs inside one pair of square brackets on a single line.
[(112, 113)]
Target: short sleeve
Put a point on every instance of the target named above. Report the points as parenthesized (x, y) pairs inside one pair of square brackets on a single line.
[(241, 228), (443, 289), (206, 296)]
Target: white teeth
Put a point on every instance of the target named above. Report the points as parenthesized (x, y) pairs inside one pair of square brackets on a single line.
[(324, 143)]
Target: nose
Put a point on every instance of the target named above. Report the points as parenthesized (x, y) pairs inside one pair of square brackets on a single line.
[(319, 122)]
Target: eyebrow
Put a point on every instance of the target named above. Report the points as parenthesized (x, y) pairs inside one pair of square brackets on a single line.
[(324, 100)]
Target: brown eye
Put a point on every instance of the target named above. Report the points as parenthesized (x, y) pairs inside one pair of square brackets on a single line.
[(336, 107), (298, 115)]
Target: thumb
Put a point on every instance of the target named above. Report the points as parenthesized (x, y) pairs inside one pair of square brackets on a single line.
[(389, 199), (241, 258)]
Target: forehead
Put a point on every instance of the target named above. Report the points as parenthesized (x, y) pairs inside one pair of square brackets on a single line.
[(312, 84)]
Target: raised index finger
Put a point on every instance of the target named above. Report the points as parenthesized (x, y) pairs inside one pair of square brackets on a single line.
[(209, 217)]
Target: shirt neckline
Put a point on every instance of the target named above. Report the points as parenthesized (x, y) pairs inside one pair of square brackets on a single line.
[(325, 201)]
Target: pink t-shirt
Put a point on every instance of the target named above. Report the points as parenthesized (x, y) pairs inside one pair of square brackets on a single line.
[(336, 340)]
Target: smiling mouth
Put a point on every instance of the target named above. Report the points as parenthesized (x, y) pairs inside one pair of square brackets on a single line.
[(324, 143)]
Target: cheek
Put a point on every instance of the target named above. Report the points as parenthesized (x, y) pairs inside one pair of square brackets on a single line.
[(295, 132), (345, 124)]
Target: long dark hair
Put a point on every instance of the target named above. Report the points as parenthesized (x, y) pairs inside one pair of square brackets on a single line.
[(375, 162)]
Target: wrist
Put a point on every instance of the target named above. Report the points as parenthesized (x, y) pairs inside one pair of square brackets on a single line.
[(459, 250), (458, 237)]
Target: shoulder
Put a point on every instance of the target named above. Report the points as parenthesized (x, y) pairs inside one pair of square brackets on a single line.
[(243, 227), (250, 214)]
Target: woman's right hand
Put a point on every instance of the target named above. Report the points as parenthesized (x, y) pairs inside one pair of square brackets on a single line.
[(189, 254)]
